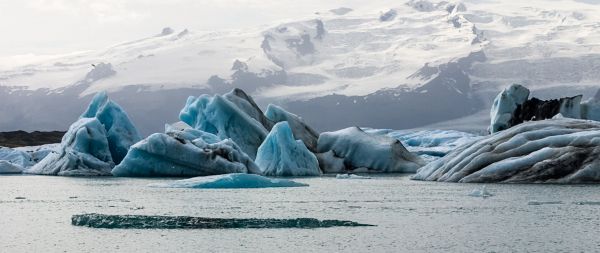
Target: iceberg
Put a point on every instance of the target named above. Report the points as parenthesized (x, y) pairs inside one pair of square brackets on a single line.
[(300, 129), (281, 155), (505, 105), (37, 153), (16, 157), (548, 151), (220, 116), (229, 181), (350, 176), (170, 155), (120, 131), (84, 151), (7, 167), (512, 107), (245, 103), (363, 152), (481, 192), (428, 144), (591, 108)]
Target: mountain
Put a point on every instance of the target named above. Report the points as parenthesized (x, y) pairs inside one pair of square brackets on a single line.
[(410, 65)]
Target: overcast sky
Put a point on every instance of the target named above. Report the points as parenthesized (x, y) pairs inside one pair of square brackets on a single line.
[(63, 26)]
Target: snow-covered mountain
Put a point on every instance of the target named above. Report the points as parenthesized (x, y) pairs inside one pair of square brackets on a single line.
[(403, 66)]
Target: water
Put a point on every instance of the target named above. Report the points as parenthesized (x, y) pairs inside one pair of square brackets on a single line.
[(411, 216)]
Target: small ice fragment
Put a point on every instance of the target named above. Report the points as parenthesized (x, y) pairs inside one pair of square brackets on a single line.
[(480, 192), (539, 203), (350, 176), (591, 203)]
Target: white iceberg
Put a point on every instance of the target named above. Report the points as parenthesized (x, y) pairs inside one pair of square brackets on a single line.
[(84, 151), (504, 106), (363, 152), (428, 144), (281, 155), (548, 151), (481, 192), (175, 154), (235, 180)]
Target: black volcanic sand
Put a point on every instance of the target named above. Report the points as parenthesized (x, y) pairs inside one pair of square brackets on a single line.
[(22, 138)]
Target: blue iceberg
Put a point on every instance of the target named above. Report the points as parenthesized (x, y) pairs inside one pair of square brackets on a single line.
[(353, 150), (120, 131), (84, 151), (228, 181), (175, 154), (7, 167), (37, 153), (225, 119), (16, 157), (300, 129), (282, 155)]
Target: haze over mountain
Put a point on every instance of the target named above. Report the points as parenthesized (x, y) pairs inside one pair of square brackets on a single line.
[(406, 65)]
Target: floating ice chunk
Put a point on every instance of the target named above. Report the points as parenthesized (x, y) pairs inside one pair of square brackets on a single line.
[(539, 203), (190, 134), (282, 155), (16, 157), (95, 220), (480, 192), (166, 155), (591, 109), (120, 131), (504, 106), (234, 180), (548, 151), (300, 129), (331, 163), (376, 153), (248, 106), (428, 144), (223, 118), (84, 151), (38, 153), (350, 176), (7, 167)]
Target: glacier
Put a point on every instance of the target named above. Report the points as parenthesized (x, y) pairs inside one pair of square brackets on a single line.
[(560, 150), (179, 154), (282, 155), (229, 181), (299, 128), (120, 131), (84, 151), (225, 119), (353, 150)]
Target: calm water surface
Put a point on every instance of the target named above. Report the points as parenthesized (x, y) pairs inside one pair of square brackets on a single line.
[(411, 216)]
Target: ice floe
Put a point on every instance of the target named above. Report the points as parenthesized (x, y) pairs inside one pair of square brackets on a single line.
[(227, 181)]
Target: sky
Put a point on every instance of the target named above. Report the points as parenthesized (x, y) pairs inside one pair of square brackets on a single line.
[(47, 27)]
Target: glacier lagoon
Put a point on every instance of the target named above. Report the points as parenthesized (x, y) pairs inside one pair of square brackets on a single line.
[(409, 216)]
